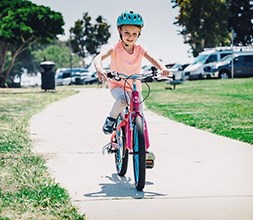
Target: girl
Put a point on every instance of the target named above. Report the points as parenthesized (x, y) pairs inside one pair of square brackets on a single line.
[(126, 57)]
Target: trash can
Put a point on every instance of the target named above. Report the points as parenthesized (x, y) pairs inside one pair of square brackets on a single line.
[(47, 75)]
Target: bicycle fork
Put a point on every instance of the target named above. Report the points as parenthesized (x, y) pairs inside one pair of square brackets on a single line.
[(129, 131)]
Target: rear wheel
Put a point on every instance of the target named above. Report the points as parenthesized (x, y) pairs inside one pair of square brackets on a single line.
[(139, 154), (121, 153)]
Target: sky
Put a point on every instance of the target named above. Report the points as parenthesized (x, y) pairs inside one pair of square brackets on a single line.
[(159, 35)]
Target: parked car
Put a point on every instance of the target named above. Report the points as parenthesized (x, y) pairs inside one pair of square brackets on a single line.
[(90, 79), (195, 69), (241, 63), (169, 65), (71, 76), (178, 71)]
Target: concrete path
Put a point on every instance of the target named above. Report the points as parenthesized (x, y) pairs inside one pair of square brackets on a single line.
[(197, 175)]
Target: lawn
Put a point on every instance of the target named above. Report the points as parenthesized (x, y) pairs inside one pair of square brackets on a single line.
[(223, 107), (26, 189)]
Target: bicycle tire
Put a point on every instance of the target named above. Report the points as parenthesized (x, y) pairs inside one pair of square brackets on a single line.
[(139, 154), (121, 154)]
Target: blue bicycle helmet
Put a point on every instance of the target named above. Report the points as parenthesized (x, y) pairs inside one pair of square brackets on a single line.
[(130, 18)]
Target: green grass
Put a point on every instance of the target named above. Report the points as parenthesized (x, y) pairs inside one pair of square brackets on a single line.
[(26, 189), (223, 107)]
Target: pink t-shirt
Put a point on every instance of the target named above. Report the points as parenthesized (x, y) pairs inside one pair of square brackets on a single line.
[(126, 63)]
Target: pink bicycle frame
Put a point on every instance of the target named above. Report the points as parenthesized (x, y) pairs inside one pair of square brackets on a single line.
[(128, 121)]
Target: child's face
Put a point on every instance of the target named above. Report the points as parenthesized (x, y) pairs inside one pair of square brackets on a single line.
[(130, 33)]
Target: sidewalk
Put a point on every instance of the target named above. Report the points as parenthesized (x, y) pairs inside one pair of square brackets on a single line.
[(197, 175)]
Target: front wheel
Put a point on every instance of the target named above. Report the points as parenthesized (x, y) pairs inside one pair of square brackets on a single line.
[(121, 153), (139, 153)]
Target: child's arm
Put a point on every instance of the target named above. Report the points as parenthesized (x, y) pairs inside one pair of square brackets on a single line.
[(157, 63), (98, 64)]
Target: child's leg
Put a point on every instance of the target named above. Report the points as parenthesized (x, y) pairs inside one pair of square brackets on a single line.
[(120, 103), (122, 100)]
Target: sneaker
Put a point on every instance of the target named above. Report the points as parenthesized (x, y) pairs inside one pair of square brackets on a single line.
[(108, 126), (150, 160)]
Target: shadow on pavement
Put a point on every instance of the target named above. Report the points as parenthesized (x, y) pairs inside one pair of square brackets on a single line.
[(121, 187)]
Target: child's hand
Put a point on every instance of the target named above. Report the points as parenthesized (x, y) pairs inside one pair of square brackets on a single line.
[(102, 75), (166, 73)]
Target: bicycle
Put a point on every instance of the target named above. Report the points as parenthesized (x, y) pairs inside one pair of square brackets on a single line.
[(130, 135)]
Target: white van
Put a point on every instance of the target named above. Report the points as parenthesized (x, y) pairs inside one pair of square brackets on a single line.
[(195, 69)]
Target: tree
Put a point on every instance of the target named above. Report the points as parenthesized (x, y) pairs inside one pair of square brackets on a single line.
[(203, 23), (59, 53), (241, 21), (87, 38), (23, 23)]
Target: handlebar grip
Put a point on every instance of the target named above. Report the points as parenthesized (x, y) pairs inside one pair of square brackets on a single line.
[(110, 75)]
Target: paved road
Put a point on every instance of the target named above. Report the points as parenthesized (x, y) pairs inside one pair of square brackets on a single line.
[(197, 175)]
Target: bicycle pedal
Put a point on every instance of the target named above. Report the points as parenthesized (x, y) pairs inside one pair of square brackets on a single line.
[(112, 150), (150, 164), (108, 149)]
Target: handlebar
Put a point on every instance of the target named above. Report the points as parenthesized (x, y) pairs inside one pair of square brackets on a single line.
[(118, 76)]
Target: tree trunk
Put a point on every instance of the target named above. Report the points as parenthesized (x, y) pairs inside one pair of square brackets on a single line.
[(4, 74), (2, 83), (4, 50)]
